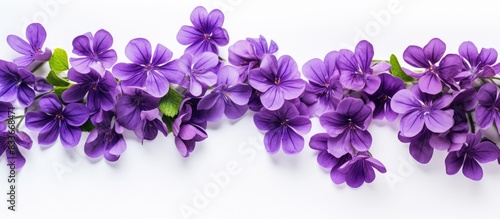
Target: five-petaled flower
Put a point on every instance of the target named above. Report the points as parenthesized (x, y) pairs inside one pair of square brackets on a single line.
[(32, 51), (95, 50)]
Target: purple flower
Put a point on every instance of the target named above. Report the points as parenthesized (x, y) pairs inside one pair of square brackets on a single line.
[(9, 143), (324, 89), (106, 139), (55, 120), (153, 72), (230, 97), (32, 51), (473, 152), (463, 101), (319, 142), (419, 109), (187, 128), (198, 72), (278, 80), (247, 54), (151, 124), (477, 65), (16, 83), (205, 34), (389, 85), (450, 140), (95, 50), (420, 147), (347, 126), (488, 110), (434, 75), (101, 91), (358, 170), (284, 127), (355, 68), (130, 106)]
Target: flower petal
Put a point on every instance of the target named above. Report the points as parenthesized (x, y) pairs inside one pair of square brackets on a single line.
[(434, 50), (472, 169), (430, 83), (49, 133), (19, 45), (411, 124), (70, 135), (102, 41), (292, 142), (272, 140), (139, 51), (415, 56), (76, 114), (49, 103)]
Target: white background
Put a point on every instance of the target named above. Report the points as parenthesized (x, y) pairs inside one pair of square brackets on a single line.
[(154, 181)]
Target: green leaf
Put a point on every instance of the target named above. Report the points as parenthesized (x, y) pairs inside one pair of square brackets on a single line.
[(60, 90), (397, 71), (55, 80), (168, 121), (87, 126), (170, 103), (59, 61)]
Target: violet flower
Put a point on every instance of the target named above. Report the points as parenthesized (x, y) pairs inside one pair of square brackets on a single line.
[(151, 123), (187, 128), (324, 89), (464, 101), (9, 143), (153, 72), (229, 98), (420, 147), (130, 106), (95, 50), (284, 128), (246, 55), (431, 81), (451, 140), (16, 83), (54, 120), (358, 170), (347, 126), (477, 65), (101, 91), (198, 72), (419, 109), (106, 139), (206, 34), (389, 85), (473, 152), (278, 80), (319, 142), (488, 110), (32, 51)]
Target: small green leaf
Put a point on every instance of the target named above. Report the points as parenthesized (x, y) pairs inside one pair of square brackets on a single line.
[(87, 126), (170, 103), (397, 71), (55, 80), (59, 61), (168, 121), (60, 90)]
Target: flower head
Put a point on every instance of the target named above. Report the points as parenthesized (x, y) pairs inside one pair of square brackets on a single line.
[(130, 106), (95, 51), (389, 85), (106, 139), (16, 83), (198, 72), (358, 170), (32, 51), (206, 34), (151, 124), (477, 65), (54, 120), (247, 54), (187, 128)]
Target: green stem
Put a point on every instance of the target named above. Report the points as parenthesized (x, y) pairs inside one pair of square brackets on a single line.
[(20, 121), (471, 121)]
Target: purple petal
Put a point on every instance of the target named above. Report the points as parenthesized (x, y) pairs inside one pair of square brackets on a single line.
[(139, 51), (118, 148), (420, 148), (453, 162), (106, 59), (439, 121), (372, 83), (181, 147), (76, 114), (126, 71), (264, 120), (411, 124), (49, 133), (81, 64), (239, 94), (340, 145), (156, 84), (301, 124), (25, 95), (206, 60), (102, 41), (430, 83), (334, 123), (364, 54), (352, 80), (81, 47), (292, 142), (434, 50), (35, 34), (19, 45), (486, 152), (273, 98), (292, 88), (272, 140), (234, 111), (415, 56), (95, 144), (70, 135), (315, 71), (319, 142), (220, 36), (162, 55), (37, 120), (485, 117), (216, 111), (472, 169), (487, 94), (337, 177), (227, 75), (326, 160), (469, 51), (488, 56), (49, 103), (189, 35), (41, 85), (199, 17), (17, 158), (361, 140)]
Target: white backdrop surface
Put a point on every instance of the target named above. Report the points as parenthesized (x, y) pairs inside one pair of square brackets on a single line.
[(153, 181)]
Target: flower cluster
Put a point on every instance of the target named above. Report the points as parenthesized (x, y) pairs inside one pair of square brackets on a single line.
[(156, 92)]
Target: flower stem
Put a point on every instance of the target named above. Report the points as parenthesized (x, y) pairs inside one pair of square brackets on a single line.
[(471, 121), (20, 121)]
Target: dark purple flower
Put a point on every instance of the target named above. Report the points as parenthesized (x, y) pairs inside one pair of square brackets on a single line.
[(356, 72), (434, 75), (198, 72), (9, 143), (420, 147), (477, 65), (389, 85), (32, 51), (419, 109), (95, 50), (324, 89), (450, 140), (101, 91), (188, 129), (488, 110), (246, 55), (278, 80), (55, 120), (106, 139), (284, 128), (319, 142), (205, 34), (151, 124), (130, 106), (153, 72), (463, 101), (358, 170), (347, 126), (16, 83), (229, 98), (473, 152)]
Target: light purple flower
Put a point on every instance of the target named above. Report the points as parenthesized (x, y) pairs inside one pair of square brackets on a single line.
[(32, 51), (130, 106), (246, 55), (347, 126), (9, 143), (488, 110), (106, 139), (206, 34), (229, 98), (419, 109), (449, 68), (188, 128), (324, 89), (473, 152), (278, 80), (151, 123), (100, 91), (284, 128), (95, 50), (197, 72), (356, 72), (358, 170), (389, 85), (477, 65), (54, 120), (16, 83), (153, 72)]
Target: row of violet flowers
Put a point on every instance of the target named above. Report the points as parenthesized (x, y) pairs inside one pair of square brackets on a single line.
[(444, 106)]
